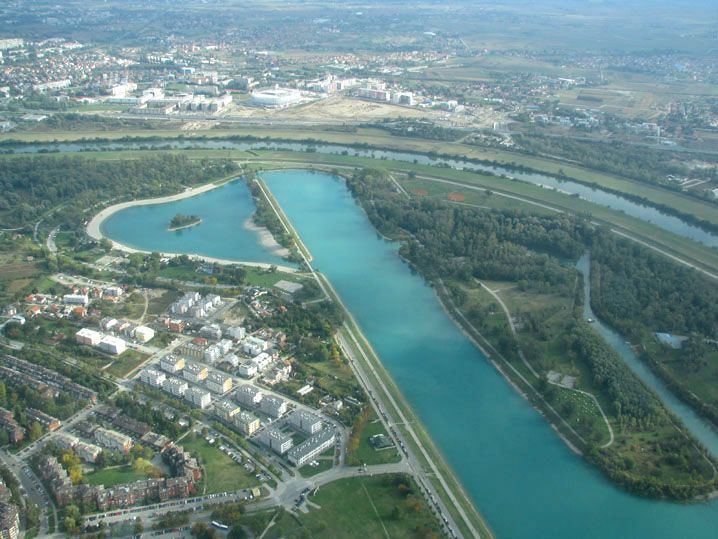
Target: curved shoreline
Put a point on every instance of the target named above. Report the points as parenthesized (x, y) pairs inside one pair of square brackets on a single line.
[(93, 229)]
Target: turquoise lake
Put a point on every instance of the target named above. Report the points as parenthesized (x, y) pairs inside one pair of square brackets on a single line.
[(523, 479), (222, 233)]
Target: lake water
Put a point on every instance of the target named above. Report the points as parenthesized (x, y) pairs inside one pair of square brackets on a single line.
[(524, 480), (222, 233)]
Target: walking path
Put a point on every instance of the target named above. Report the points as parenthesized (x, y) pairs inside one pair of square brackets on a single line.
[(530, 368)]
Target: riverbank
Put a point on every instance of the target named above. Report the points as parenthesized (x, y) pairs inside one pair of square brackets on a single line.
[(94, 230)]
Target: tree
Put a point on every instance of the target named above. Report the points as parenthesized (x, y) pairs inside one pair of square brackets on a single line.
[(106, 244), (35, 431)]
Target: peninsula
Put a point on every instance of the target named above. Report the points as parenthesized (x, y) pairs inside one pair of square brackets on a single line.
[(180, 221)]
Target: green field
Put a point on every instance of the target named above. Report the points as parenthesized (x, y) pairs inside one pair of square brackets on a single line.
[(114, 476), (359, 507), (221, 473), (126, 363), (366, 454)]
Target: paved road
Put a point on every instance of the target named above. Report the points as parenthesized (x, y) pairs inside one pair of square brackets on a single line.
[(414, 465), (33, 489), (51, 240)]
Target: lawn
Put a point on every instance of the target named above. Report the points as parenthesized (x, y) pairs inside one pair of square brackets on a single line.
[(372, 506), (124, 364), (366, 454), (114, 476), (221, 473)]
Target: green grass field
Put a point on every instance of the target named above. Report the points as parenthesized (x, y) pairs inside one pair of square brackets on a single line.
[(125, 363), (358, 507), (366, 454), (221, 473), (114, 476)]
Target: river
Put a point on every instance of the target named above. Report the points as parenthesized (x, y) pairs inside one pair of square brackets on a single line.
[(601, 197), (524, 480)]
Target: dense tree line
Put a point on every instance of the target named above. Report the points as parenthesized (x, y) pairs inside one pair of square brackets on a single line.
[(634, 289), (451, 241), (29, 187), (635, 407), (156, 418)]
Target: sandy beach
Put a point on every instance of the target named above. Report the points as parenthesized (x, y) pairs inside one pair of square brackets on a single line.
[(93, 230), (266, 239)]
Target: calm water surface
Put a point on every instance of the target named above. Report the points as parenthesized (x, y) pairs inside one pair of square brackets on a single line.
[(522, 477), (222, 233)]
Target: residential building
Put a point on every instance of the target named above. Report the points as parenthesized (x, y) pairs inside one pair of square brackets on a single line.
[(312, 447), (237, 332), (306, 422), (218, 382), (175, 386), (226, 410), (224, 346), (9, 521), (144, 334), (198, 397), (76, 299), (87, 452), (276, 440), (112, 440), (246, 422), (192, 350), (46, 420), (231, 359), (212, 354), (194, 372), (249, 395), (262, 361), (253, 346), (273, 406), (248, 370), (65, 441), (211, 331), (172, 364), (153, 377)]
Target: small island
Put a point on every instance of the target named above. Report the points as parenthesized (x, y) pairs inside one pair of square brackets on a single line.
[(180, 221)]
